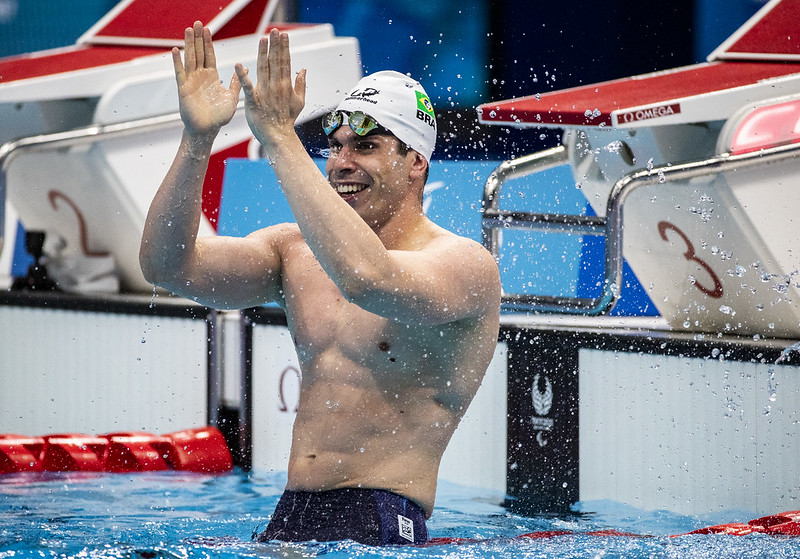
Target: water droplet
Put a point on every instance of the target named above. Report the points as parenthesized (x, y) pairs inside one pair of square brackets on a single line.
[(786, 353), (725, 309)]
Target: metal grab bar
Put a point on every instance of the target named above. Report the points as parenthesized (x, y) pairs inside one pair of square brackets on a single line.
[(611, 226), (77, 136), (494, 220)]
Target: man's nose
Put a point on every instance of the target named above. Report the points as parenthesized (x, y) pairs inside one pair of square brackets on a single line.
[(341, 159)]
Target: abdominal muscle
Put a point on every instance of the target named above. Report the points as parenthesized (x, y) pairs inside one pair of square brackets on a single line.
[(351, 433)]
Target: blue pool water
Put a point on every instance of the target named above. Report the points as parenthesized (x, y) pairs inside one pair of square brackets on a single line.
[(177, 515)]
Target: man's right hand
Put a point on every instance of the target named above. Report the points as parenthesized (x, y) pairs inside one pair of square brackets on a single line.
[(205, 104), (274, 103)]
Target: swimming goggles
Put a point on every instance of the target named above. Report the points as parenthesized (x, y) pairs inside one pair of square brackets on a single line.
[(361, 123)]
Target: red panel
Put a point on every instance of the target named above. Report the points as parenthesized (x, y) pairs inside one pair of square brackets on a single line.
[(592, 105), (68, 60), (245, 22), (212, 187), (79, 57), (160, 19), (777, 32)]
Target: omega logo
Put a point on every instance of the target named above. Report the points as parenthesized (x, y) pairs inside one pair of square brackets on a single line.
[(652, 112)]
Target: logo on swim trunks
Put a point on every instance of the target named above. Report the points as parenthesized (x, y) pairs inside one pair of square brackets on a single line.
[(406, 526), (364, 94)]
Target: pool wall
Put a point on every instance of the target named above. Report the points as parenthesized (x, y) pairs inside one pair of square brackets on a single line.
[(627, 411), (97, 365)]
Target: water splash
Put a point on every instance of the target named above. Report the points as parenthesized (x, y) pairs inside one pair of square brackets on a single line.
[(786, 353), (772, 384)]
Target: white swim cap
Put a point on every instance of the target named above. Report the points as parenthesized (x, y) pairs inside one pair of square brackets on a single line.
[(400, 105)]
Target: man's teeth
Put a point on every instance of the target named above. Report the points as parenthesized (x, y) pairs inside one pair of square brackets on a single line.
[(349, 188)]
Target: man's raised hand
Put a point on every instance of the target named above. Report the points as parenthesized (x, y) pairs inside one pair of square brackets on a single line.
[(273, 104), (205, 104)]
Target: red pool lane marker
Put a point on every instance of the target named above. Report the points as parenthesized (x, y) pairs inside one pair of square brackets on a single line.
[(195, 450), (137, 452), (74, 452), (540, 535), (783, 524), (200, 450), (19, 453)]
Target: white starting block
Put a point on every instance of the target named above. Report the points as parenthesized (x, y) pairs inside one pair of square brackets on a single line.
[(704, 160), (100, 127)]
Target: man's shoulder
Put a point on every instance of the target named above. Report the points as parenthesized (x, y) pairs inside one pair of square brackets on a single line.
[(464, 256), (444, 239)]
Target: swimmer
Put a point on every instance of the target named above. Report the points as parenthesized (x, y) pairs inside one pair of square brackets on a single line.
[(394, 318)]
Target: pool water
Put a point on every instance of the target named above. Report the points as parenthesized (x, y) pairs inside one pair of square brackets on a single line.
[(179, 515)]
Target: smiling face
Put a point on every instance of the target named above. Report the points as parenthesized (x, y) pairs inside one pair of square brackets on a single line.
[(372, 173)]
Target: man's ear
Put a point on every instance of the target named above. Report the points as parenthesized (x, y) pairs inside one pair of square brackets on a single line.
[(419, 165)]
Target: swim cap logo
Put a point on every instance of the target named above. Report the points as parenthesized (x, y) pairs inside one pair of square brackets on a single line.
[(425, 109), (364, 94)]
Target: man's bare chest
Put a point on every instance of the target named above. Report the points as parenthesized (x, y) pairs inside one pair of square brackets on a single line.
[(321, 318)]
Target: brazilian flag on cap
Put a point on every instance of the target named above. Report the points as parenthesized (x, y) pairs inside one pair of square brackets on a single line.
[(424, 104)]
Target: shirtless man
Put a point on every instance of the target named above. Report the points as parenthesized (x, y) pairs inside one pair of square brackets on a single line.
[(394, 319)]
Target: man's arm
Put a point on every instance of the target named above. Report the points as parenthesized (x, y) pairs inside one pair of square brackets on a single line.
[(448, 280), (217, 271)]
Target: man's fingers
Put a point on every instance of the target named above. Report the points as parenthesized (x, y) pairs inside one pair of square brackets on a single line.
[(199, 52), (284, 59), (300, 85), (236, 84), (262, 62), (243, 79), (180, 73), (190, 62), (208, 49), (274, 50)]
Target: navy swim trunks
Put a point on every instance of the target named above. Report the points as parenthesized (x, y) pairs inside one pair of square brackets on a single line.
[(368, 516)]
